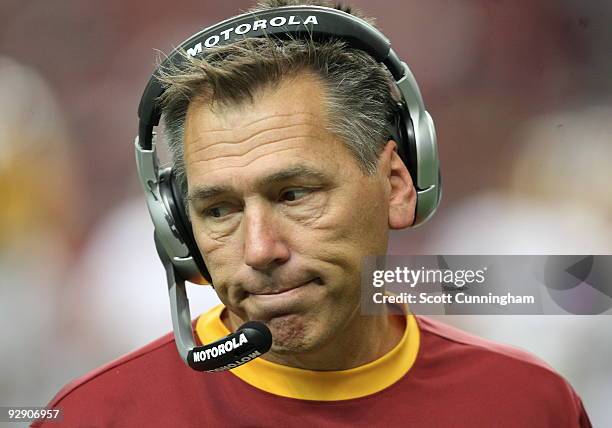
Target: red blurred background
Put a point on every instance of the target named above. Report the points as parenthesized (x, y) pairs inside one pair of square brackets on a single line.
[(520, 94)]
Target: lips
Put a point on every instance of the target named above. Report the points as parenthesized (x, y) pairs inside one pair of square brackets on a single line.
[(274, 291)]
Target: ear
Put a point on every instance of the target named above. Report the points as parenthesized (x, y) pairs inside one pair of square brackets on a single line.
[(402, 194)]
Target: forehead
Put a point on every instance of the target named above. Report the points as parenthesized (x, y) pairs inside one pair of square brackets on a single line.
[(285, 125)]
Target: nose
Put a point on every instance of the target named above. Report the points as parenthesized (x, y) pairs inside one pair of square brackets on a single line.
[(263, 243)]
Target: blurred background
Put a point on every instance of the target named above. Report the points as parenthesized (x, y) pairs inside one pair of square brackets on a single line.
[(522, 99)]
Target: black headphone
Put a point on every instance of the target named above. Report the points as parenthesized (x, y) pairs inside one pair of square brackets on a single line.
[(413, 131)]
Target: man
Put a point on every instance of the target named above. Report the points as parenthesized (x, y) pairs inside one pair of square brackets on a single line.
[(291, 179)]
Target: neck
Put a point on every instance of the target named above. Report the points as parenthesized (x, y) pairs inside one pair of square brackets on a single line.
[(362, 340)]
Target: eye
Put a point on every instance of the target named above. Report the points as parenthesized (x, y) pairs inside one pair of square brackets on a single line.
[(217, 212), (294, 194)]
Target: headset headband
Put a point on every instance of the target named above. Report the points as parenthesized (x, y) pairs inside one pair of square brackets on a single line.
[(316, 22)]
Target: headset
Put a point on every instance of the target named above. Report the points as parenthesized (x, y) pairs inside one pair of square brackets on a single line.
[(413, 130)]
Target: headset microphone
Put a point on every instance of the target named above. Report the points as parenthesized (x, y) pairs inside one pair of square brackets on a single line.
[(250, 341)]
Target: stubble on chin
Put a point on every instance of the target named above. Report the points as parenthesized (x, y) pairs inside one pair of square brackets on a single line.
[(292, 334)]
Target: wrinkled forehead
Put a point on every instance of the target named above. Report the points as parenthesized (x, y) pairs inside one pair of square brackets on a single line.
[(283, 125)]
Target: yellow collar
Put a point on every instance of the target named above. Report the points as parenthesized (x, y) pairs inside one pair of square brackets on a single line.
[(319, 385)]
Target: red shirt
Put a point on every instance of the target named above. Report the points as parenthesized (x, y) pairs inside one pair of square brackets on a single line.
[(453, 379)]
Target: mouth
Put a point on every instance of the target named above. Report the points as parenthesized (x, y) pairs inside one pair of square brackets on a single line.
[(287, 299), (284, 290)]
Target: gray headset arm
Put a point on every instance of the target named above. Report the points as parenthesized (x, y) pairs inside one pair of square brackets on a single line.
[(179, 306), (170, 239)]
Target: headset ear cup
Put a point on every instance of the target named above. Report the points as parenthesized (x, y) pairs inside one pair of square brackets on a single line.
[(429, 192), (183, 225)]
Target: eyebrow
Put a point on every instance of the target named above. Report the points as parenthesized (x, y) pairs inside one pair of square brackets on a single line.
[(199, 193)]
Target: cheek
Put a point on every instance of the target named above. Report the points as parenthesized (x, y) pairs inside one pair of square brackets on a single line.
[(352, 228), (356, 222), (221, 255), (371, 221)]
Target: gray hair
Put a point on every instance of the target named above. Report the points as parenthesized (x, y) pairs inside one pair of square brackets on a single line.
[(359, 98)]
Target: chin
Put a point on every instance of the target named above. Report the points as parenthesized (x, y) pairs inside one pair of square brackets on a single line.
[(292, 334)]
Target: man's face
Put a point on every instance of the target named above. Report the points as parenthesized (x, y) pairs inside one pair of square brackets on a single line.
[(282, 212)]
